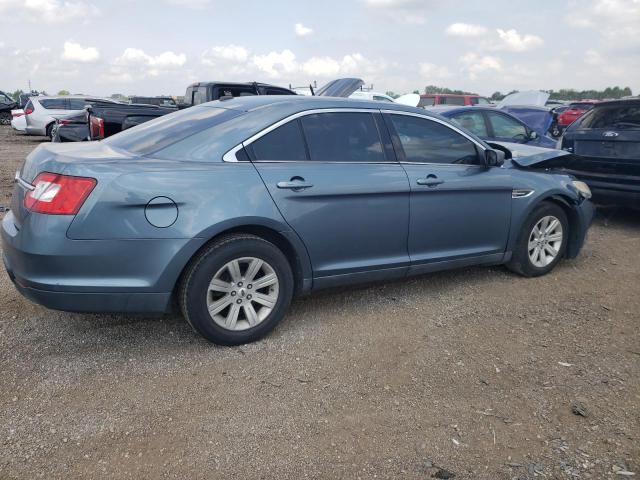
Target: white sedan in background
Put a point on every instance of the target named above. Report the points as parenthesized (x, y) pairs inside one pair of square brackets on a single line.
[(18, 120)]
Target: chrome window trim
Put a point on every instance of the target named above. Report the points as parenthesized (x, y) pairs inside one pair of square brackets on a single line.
[(436, 120), (230, 156)]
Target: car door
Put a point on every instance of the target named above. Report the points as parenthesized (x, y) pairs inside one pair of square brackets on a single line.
[(331, 177), (504, 128), (460, 209)]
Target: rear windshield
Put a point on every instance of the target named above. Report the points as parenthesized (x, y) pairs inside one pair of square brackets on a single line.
[(618, 117), (583, 106), (161, 132)]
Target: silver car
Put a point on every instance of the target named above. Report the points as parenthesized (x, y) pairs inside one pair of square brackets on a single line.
[(41, 112)]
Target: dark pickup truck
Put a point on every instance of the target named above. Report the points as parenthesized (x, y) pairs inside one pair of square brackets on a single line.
[(104, 119)]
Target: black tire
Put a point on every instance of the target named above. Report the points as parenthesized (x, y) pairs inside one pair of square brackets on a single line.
[(49, 131), (193, 290), (520, 261), (5, 118)]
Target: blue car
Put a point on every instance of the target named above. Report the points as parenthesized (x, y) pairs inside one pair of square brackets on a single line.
[(503, 125), (232, 207)]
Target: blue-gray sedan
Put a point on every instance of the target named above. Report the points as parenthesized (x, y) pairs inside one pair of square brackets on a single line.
[(233, 207)]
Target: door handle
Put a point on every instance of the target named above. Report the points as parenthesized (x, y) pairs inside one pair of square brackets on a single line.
[(296, 184), (430, 181)]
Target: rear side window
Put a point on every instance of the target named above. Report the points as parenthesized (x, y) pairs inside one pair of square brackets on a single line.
[(426, 102), (171, 129), (54, 103), (235, 91), (342, 137), (200, 95), (615, 117), (472, 121), (283, 143), (427, 141), (451, 101)]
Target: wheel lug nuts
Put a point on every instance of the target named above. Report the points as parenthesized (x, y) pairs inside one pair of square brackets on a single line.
[(249, 297), (249, 286), (238, 301), (233, 294), (239, 284)]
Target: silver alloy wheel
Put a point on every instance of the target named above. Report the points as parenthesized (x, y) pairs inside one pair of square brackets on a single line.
[(242, 293), (545, 241)]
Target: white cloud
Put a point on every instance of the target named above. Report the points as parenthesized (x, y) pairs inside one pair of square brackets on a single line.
[(77, 53), (221, 55), (196, 4), (617, 20), (321, 67), (475, 64), (429, 71), (301, 30), (465, 30), (409, 12), (47, 11), (274, 64), (512, 41), (137, 57), (593, 57)]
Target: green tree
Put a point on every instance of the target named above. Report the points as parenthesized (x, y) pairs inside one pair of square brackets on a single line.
[(392, 94), (17, 94), (64, 92)]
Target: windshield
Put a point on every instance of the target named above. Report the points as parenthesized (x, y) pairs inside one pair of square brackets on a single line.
[(161, 132), (615, 116)]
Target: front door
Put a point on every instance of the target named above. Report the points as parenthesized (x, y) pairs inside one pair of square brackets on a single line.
[(332, 180), (460, 209)]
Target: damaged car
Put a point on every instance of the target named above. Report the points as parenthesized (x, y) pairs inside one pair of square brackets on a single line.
[(231, 208)]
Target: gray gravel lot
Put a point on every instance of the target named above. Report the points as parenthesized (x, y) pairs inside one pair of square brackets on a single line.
[(475, 372)]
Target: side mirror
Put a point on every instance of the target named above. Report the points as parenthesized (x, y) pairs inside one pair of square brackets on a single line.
[(533, 135), (493, 158)]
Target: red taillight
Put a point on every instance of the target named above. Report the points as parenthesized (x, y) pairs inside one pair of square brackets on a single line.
[(96, 127), (28, 111), (56, 194), (64, 122)]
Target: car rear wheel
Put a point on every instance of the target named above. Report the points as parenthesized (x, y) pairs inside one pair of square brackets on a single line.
[(542, 242), (5, 118), (236, 290)]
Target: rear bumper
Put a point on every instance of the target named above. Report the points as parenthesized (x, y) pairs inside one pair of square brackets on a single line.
[(41, 131), (91, 275)]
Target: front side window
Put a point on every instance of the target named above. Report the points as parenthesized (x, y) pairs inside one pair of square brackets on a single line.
[(427, 141), (472, 121), (343, 137), (283, 143), (505, 127), (76, 104)]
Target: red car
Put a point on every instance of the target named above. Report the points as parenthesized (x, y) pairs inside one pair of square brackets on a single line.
[(433, 99), (574, 112)]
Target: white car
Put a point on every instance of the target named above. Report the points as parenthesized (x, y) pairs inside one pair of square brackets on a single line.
[(41, 112), (18, 120), (380, 97)]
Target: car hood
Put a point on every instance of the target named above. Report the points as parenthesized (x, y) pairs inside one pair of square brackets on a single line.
[(529, 156), (340, 87), (531, 97)]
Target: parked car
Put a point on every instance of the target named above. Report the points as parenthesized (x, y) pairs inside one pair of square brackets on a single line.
[(370, 95), (234, 206), (18, 120), (496, 125), (607, 140), (571, 114), (105, 119), (433, 99), (73, 127), (6, 105), (41, 111), (160, 101)]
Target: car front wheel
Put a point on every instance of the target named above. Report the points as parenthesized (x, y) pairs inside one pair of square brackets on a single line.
[(542, 242), (236, 290)]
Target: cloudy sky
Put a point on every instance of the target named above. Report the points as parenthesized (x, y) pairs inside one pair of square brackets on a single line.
[(160, 46)]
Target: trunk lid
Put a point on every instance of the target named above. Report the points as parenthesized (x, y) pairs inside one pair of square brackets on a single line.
[(341, 87)]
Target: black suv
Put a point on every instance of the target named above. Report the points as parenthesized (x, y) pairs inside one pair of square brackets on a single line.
[(606, 141)]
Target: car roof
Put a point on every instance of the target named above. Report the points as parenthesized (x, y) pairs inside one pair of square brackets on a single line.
[(239, 84), (299, 103), (621, 102)]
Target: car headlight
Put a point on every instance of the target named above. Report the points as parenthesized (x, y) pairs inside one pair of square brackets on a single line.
[(583, 188)]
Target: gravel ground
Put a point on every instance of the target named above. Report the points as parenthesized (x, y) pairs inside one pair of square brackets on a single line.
[(475, 373)]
